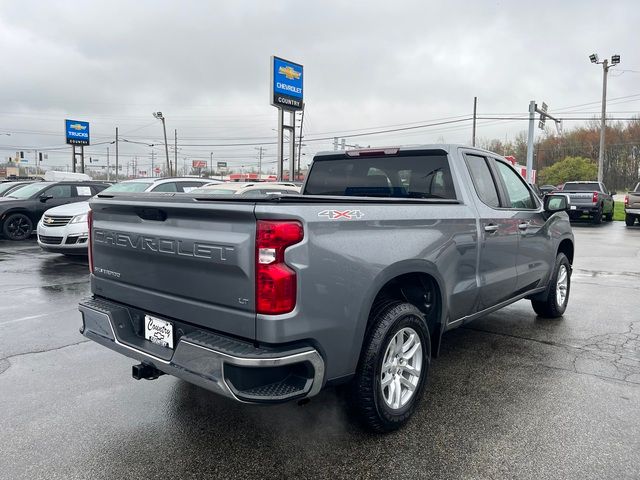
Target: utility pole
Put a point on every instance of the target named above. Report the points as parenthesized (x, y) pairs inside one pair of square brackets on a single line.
[(153, 171), (473, 132), (532, 117), (175, 147), (615, 60), (108, 168), (259, 161), (117, 172)]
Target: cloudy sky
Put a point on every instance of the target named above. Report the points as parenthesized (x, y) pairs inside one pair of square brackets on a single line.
[(369, 66)]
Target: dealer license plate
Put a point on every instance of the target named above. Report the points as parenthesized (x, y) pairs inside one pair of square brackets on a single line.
[(158, 331)]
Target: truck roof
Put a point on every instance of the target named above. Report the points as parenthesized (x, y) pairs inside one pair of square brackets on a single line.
[(447, 147)]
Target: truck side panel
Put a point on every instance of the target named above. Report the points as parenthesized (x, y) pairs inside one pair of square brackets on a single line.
[(344, 261)]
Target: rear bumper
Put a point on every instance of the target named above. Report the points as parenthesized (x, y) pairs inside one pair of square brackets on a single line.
[(632, 211), (227, 366)]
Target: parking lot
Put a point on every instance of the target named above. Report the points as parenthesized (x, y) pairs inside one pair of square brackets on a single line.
[(510, 396)]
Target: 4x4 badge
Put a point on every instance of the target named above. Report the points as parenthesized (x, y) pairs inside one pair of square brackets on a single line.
[(338, 214)]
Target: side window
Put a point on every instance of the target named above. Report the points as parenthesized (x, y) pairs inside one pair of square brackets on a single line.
[(166, 187), (83, 191), (59, 191), (483, 180), (519, 194), (186, 187)]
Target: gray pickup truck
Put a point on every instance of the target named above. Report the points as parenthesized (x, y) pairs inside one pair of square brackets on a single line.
[(591, 199), (354, 281), (632, 206)]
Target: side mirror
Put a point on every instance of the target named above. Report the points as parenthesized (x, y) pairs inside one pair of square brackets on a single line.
[(556, 202), (614, 193), (44, 198)]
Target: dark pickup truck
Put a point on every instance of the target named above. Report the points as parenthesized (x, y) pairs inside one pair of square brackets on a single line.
[(632, 206), (355, 281), (591, 199)]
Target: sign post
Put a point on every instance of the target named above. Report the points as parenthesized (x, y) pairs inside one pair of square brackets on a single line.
[(286, 93)]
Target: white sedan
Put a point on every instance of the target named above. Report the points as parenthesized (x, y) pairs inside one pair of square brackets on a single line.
[(64, 229)]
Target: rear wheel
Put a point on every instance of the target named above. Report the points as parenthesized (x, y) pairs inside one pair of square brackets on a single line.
[(609, 216), (629, 220), (597, 217), (393, 368), (17, 227), (557, 299)]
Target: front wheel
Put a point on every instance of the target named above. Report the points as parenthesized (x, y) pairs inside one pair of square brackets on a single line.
[(393, 368), (17, 227), (558, 294)]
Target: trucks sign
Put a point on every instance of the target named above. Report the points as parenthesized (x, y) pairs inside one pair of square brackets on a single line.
[(286, 84), (76, 132)]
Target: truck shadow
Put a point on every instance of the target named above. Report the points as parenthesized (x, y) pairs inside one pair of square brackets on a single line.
[(479, 390)]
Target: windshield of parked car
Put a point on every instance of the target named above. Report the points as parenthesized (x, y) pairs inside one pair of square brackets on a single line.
[(130, 187), (8, 186), (28, 190), (581, 187)]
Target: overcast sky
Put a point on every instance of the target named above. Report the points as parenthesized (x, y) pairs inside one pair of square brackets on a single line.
[(368, 66)]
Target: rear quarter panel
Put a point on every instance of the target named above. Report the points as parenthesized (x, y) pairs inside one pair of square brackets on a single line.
[(342, 263)]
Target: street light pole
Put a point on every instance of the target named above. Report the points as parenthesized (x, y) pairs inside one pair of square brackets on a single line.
[(615, 59), (605, 70), (159, 116)]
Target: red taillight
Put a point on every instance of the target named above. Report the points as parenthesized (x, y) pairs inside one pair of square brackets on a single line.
[(626, 200), (89, 242), (595, 197), (275, 280)]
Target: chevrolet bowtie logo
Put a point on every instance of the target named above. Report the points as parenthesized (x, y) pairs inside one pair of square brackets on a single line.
[(48, 220), (289, 72), (77, 126)]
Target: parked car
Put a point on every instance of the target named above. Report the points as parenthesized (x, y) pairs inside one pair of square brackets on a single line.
[(632, 206), (64, 229), (548, 189), (7, 187), (249, 189), (272, 298), (21, 210), (591, 199), (536, 189)]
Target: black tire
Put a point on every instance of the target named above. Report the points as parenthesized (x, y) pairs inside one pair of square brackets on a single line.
[(17, 227), (597, 217), (550, 308), (366, 389), (609, 216), (629, 220)]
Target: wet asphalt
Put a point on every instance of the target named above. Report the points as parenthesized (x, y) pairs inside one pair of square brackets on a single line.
[(511, 396)]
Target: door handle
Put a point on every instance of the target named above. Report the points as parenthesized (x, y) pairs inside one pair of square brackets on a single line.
[(523, 225), (491, 228)]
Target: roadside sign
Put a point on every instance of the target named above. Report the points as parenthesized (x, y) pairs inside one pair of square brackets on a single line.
[(198, 163), (286, 88), (222, 164), (76, 132)]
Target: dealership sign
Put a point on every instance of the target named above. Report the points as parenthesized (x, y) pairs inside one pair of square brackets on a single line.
[(76, 133), (286, 84), (198, 164)]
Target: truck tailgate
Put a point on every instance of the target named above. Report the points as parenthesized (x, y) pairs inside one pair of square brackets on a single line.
[(189, 261)]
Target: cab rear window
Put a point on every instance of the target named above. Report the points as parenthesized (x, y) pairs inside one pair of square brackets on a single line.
[(415, 176)]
